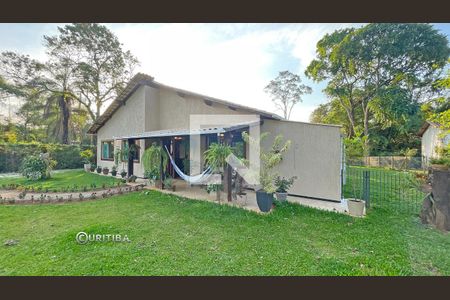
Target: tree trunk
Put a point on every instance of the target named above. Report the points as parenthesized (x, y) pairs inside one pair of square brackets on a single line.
[(65, 116), (366, 131)]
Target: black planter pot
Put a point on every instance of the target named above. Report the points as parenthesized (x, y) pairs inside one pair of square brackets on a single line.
[(113, 173), (264, 200)]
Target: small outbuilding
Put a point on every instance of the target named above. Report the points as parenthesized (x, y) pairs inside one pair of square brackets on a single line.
[(433, 138)]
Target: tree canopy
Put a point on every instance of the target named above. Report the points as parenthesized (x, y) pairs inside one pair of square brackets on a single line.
[(85, 68), (379, 74), (286, 91)]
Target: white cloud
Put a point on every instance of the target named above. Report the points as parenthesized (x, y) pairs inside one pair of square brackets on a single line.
[(233, 62)]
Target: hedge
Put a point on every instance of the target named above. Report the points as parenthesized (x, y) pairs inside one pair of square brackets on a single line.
[(66, 156)]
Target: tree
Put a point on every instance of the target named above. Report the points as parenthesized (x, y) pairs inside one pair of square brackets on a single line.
[(86, 66), (379, 63), (286, 91), (438, 109), (50, 80), (102, 67)]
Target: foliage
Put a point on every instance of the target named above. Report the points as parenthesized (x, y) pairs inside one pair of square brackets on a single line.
[(37, 167), (153, 159), (87, 155), (168, 182), (438, 109), (378, 73), (66, 156), (283, 184), (269, 159), (122, 154), (102, 66), (354, 147), (286, 91), (216, 155), (63, 181), (213, 187), (85, 68), (441, 161)]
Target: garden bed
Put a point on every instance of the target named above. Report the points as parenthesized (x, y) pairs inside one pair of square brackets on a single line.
[(23, 197)]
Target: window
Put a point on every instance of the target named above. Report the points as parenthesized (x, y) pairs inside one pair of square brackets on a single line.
[(107, 150), (136, 153)]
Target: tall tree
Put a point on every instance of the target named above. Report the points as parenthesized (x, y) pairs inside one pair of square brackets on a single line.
[(103, 67), (377, 63), (286, 91)]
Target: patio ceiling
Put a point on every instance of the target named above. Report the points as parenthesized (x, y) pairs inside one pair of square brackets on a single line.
[(180, 132)]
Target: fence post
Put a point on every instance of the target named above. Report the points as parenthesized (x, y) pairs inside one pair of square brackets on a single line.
[(366, 187)]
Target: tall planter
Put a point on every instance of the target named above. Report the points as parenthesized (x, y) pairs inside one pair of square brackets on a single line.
[(264, 200)]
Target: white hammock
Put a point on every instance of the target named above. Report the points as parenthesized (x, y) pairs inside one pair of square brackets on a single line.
[(196, 179)]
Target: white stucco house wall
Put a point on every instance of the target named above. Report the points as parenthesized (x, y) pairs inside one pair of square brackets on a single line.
[(148, 111), (432, 139)]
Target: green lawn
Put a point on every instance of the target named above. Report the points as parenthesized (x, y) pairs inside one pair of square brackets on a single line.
[(59, 180), (175, 236)]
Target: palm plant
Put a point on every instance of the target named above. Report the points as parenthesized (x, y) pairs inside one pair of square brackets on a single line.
[(216, 156)]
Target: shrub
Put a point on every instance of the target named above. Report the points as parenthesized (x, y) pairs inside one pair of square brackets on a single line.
[(66, 156), (87, 156), (37, 167)]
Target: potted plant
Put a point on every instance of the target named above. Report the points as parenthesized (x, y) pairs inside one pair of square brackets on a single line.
[(105, 171), (355, 205), (155, 161), (87, 156), (282, 186), (123, 173), (93, 167), (114, 171), (269, 159), (99, 169), (215, 157)]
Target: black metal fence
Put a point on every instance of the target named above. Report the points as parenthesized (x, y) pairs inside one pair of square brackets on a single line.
[(400, 190)]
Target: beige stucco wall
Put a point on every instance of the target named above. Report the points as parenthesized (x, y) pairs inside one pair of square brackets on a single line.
[(315, 157), (128, 119), (175, 111), (430, 141)]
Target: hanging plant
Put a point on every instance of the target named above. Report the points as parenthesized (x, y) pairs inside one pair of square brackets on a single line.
[(151, 160)]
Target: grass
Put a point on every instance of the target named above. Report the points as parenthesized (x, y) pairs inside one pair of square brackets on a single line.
[(175, 236), (60, 180)]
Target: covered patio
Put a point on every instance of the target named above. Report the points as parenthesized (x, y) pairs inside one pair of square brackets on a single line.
[(182, 145)]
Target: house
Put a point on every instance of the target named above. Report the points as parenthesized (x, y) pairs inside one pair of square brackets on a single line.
[(433, 138), (148, 111)]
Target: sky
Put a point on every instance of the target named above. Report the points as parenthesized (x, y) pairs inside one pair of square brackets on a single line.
[(233, 62)]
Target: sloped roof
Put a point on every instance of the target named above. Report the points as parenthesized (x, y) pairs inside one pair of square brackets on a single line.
[(426, 125), (143, 79)]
